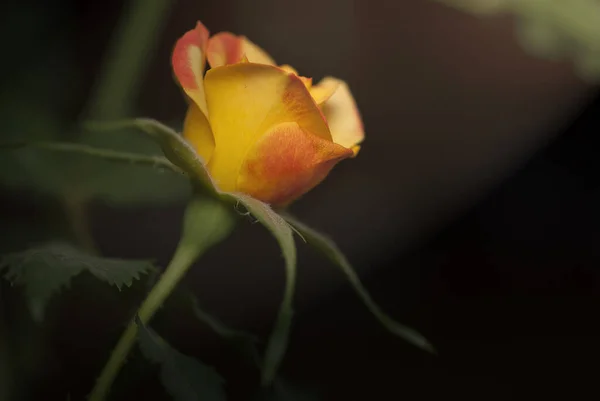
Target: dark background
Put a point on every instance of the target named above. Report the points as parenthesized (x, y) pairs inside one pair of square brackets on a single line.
[(470, 212)]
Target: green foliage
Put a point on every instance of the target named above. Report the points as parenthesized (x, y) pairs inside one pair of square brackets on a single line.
[(24, 168), (37, 102), (135, 38), (120, 184), (31, 110), (553, 30), (67, 170), (335, 255), (246, 343), (174, 147), (184, 378), (282, 232), (219, 327), (206, 222), (280, 229), (34, 105), (46, 269), (181, 154)]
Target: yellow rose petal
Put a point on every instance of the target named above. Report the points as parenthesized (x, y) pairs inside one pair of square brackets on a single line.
[(226, 48), (286, 163), (245, 101), (198, 133), (343, 117), (322, 91)]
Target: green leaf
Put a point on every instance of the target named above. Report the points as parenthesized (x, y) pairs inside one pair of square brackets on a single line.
[(333, 253), (46, 269), (89, 151), (73, 169), (282, 232), (25, 168), (34, 100), (173, 145), (216, 325), (245, 342), (184, 378), (117, 184)]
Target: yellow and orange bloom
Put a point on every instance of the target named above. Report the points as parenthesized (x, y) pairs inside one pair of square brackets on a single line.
[(262, 129)]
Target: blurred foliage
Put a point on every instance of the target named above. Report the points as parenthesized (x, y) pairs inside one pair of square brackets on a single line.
[(41, 102), (478, 6), (330, 250), (86, 178), (282, 231), (187, 379), (184, 378), (121, 185), (34, 103), (245, 343), (552, 29), (46, 269)]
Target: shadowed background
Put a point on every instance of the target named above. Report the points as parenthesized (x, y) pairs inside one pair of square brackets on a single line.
[(469, 212)]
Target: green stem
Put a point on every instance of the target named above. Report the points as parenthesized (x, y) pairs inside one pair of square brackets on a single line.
[(134, 41), (278, 341), (184, 257), (205, 223), (106, 154), (333, 253)]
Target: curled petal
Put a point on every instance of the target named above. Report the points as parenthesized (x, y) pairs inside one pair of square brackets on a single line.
[(286, 163), (189, 61), (245, 102), (198, 133), (306, 81), (289, 68), (343, 116), (322, 91), (226, 48)]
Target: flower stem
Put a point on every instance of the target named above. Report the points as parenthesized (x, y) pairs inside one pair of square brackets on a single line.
[(134, 40), (278, 341), (158, 162), (206, 222), (184, 257)]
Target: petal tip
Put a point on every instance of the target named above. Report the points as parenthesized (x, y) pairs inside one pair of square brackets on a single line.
[(288, 162), (224, 48), (183, 59)]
